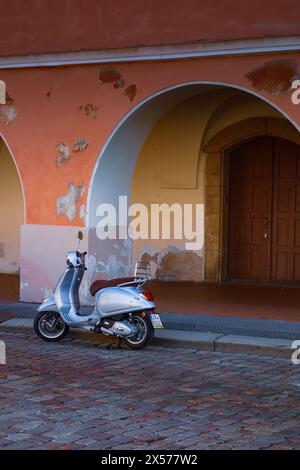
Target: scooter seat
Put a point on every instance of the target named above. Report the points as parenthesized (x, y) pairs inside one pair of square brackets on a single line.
[(102, 283)]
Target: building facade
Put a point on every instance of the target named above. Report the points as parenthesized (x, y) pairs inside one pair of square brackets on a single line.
[(162, 102)]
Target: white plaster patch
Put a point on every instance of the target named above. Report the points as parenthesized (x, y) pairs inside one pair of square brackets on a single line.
[(67, 204), (100, 267), (168, 249), (63, 154), (115, 267), (118, 264), (126, 250), (8, 113)]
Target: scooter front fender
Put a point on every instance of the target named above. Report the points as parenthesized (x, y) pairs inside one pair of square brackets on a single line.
[(48, 305)]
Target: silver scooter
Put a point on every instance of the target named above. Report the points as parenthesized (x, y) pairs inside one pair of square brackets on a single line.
[(122, 308)]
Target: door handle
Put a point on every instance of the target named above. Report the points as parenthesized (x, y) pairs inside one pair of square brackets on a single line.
[(265, 235)]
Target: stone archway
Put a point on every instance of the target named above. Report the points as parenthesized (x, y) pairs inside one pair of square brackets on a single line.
[(216, 182)]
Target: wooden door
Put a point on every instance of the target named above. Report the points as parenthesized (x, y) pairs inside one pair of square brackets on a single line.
[(264, 211), (286, 211), (250, 192)]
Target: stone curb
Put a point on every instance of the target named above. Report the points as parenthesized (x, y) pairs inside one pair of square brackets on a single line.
[(196, 340), (225, 343)]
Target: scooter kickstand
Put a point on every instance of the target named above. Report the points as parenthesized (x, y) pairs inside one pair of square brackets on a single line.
[(111, 346)]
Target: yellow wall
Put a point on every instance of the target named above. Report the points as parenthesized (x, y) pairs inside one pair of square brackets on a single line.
[(11, 212), (171, 166)]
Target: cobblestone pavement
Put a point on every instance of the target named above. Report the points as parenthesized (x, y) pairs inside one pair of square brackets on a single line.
[(78, 395)]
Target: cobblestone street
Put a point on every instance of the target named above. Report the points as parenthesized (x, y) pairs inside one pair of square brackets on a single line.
[(78, 395)]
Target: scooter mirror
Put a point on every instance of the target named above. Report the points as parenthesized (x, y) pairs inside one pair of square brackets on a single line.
[(80, 235)]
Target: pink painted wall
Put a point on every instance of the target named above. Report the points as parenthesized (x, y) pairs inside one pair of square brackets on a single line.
[(35, 26)]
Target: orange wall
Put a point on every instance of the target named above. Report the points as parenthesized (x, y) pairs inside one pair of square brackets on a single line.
[(48, 111), (41, 26)]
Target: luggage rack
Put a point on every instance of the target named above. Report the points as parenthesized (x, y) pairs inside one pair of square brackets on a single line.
[(142, 271), (142, 274)]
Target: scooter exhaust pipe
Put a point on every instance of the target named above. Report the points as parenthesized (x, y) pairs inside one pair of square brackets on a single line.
[(123, 329), (107, 332)]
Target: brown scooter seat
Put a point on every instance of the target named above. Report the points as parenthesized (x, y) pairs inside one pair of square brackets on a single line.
[(101, 283)]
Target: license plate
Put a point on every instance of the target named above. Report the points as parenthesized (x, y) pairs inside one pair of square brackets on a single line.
[(156, 321)]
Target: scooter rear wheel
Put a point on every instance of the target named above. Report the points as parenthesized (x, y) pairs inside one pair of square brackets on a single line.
[(144, 335), (50, 326)]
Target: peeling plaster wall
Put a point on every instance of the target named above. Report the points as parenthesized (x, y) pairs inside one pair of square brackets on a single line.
[(275, 76), (67, 204), (61, 104), (54, 105), (11, 212), (8, 110)]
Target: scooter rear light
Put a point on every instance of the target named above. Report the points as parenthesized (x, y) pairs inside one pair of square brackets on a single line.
[(147, 295)]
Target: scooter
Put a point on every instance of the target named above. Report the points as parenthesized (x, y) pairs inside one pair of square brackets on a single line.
[(123, 309)]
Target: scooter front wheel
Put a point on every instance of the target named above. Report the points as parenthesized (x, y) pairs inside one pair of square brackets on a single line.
[(50, 326), (144, 334)]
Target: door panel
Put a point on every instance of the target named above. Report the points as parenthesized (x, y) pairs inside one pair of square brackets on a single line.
[(286, 215), (249, 210), (264, 211)]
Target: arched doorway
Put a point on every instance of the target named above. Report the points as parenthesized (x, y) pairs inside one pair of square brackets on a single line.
[(212, 107), (12, 217), (264, 211), (218, 148)]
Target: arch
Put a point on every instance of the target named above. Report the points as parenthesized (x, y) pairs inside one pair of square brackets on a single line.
[(252, 127), (115, 165), (216, 181), (12, 218), (19, 174), (151, 108)]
